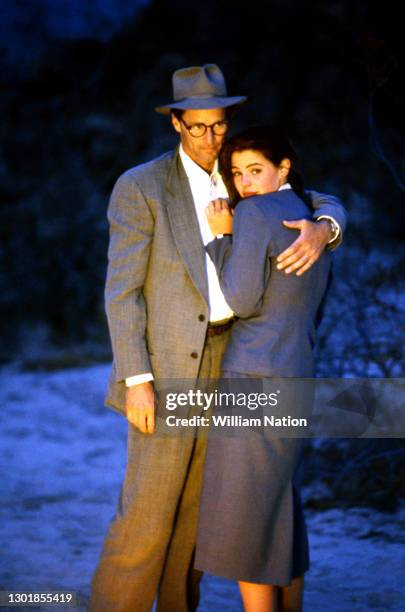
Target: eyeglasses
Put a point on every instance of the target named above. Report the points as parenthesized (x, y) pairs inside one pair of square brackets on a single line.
[(219, 128)]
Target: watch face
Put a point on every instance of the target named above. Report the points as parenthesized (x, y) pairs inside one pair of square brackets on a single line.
[(334, 229)]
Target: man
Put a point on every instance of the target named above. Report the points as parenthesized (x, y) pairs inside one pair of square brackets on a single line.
[(169, 320)]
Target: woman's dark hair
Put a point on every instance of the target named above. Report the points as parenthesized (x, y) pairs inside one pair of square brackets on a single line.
[(271, 143)]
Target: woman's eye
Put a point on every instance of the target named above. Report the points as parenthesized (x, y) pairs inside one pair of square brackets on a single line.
[(235, 174), (256, 171)]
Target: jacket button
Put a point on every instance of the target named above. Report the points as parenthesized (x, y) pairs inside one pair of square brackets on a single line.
[(194, 355), (201, 317)]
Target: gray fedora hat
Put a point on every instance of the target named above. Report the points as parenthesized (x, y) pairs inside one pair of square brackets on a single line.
[(199, 88)]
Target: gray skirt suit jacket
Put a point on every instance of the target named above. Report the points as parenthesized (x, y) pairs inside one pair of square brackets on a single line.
[(252, 526)]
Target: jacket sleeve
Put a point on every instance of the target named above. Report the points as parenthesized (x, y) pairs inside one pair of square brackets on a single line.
[(131, 232), (328, 206), (242, 261)]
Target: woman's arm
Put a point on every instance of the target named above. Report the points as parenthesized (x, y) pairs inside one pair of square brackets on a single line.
[(242, 261)]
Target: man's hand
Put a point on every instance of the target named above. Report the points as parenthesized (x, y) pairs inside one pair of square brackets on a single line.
[(308, 247), (219, 216), (140, 407)]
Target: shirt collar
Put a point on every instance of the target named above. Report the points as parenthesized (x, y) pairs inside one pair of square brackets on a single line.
[(192, 169), (285, 186)]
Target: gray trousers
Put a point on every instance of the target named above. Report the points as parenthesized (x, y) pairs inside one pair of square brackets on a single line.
[(149, 548)]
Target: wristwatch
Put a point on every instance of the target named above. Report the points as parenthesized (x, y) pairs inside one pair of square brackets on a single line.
[(334, 227)]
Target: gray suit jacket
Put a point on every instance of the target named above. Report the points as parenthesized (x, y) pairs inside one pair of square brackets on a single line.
[(276, 330), (157, 289)]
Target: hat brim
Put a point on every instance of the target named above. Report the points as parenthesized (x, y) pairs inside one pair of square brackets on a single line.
[(205, 103)]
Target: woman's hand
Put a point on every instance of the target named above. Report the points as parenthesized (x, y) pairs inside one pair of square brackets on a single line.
[(219, 216)]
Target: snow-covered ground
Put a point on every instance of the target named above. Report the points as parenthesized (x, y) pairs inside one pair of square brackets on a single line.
[(62, 462)]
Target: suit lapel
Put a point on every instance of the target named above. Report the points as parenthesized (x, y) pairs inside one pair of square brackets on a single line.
[(185, 227)]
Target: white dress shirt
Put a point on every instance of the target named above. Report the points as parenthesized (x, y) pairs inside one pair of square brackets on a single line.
[(204, 188)]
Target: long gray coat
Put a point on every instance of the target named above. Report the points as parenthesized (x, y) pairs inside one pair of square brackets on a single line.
[(156, 290)]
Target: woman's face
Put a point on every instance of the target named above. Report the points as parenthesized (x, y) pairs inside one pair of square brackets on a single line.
[(253, 174)]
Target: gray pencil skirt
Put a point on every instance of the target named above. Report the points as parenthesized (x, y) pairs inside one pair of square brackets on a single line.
[(251, 522)]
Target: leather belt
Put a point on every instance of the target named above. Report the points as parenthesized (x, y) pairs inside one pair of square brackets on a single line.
[(215, 329)]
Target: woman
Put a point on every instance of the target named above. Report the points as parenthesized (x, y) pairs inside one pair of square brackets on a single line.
[(252, 527)]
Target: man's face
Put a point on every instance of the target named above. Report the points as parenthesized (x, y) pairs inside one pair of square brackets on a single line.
[(205, 149)]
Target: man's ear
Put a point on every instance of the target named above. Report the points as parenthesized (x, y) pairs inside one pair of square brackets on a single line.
[(175, 123)]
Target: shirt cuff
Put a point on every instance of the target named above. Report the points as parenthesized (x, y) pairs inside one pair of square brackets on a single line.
[(139, 379), (337, 230)]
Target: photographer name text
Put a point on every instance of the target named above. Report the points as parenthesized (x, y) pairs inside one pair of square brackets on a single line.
[(235, 421)]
